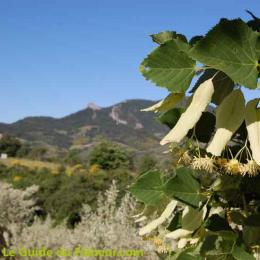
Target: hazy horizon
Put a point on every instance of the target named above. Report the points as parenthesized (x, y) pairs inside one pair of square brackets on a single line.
[(57, 56), (79, 109)]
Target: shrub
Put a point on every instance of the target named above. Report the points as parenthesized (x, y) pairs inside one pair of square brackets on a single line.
[(109, 227), (109, 156), (9, 145)]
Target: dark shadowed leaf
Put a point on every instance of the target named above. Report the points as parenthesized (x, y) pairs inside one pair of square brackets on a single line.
[(171, 117), (204, 128), (175, 222)]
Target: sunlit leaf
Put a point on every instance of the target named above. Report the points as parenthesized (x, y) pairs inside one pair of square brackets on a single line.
[(168, 66), (149, 188), (185, 187), (230, 47)]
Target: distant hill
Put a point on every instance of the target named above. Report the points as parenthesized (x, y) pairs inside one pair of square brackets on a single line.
[(123, 123)]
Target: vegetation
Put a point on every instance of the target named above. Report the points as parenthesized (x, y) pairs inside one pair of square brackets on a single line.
[(210, 205), (108, 156), (9, 145), (109, 227), (61, 195)]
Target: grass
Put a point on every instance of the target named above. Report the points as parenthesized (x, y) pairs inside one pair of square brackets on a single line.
[(31, 164)]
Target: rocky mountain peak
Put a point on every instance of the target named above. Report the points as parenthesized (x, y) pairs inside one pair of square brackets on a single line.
[(93, 106)]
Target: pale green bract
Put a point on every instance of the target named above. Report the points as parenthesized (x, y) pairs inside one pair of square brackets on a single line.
[(191, 116), (230, 115), (169, 102), (253, 127), (157, 222)]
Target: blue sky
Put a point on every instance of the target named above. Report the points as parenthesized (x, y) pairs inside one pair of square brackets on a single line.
[(58, 55)]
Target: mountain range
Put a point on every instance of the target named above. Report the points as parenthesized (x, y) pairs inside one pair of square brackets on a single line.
[(123, 123)]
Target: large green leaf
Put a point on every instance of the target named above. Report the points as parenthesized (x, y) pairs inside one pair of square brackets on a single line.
[(184, 187), (230, 47), (149, 188), (223, 85), (168, 66), (193, 218)]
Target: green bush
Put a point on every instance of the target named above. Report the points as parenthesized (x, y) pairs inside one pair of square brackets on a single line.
[(109, 156), (9, 145), (61, 196)]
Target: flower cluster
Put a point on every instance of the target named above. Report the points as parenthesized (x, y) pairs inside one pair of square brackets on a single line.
[(222, 165)]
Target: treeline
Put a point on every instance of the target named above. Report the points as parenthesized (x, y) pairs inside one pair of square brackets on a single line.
[(13, 147), (105, 155), (78, 179)]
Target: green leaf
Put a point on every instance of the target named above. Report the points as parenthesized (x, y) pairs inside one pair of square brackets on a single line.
[(189, 256), (240, 254), (171, 117), (258, 51), (149, 188), (193, 218), (191, 253), (223, 85), (163, 37), (184, 187), (230, 47), (168, 66), (251, 230), (179, 39)]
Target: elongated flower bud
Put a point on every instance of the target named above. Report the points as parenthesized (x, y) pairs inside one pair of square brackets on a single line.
[(157, 222), (191, 116), (230, 115), (253, 127)]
